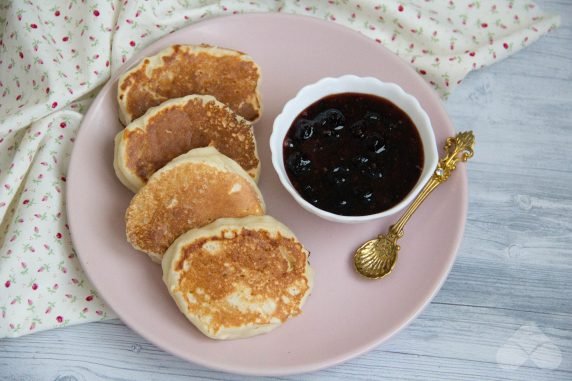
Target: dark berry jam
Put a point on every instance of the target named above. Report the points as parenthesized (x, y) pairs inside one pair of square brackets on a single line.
[(353, 154)]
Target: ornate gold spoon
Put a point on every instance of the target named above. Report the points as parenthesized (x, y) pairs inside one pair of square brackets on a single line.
[(376, 258)]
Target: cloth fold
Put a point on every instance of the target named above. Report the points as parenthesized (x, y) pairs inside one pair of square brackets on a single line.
[(54, 55)]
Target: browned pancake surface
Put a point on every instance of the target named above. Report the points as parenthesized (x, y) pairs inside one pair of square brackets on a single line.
[(252, 260), (186, 197), (230, 78), (176, 129)]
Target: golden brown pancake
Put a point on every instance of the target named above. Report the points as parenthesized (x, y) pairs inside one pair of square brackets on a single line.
[(230, 76), (177, 126), (191, 191), (238, 277)]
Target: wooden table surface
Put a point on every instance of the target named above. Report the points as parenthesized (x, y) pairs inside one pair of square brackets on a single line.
[(505, 311)]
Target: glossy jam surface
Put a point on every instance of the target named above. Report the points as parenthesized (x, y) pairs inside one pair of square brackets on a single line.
[(353, 154)]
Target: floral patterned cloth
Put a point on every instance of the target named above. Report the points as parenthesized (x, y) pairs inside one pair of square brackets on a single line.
[(54, 55)]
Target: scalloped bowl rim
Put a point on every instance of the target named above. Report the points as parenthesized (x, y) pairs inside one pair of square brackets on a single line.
[(355, 84)]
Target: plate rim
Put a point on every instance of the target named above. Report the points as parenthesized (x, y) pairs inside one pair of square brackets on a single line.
[(278, 370)]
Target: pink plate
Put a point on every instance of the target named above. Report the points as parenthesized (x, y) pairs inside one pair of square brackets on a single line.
[(346, 315)]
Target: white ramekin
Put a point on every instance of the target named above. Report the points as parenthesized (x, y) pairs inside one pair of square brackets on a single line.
[(366, 85)]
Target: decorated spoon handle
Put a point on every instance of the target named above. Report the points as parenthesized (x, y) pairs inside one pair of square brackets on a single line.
[(458, 148)]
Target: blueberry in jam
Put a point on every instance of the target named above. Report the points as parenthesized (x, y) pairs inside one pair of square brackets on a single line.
[(298, 163), (353, 154), (304, 129)]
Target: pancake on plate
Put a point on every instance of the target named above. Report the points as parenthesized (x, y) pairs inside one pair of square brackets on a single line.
[(191, 191), (230, 76), (177, 126), (238, 277)]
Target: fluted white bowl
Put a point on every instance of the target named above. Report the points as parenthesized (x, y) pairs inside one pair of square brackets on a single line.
[(354, 84)]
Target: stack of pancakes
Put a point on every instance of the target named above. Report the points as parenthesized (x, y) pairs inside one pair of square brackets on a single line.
[(189, 152)]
